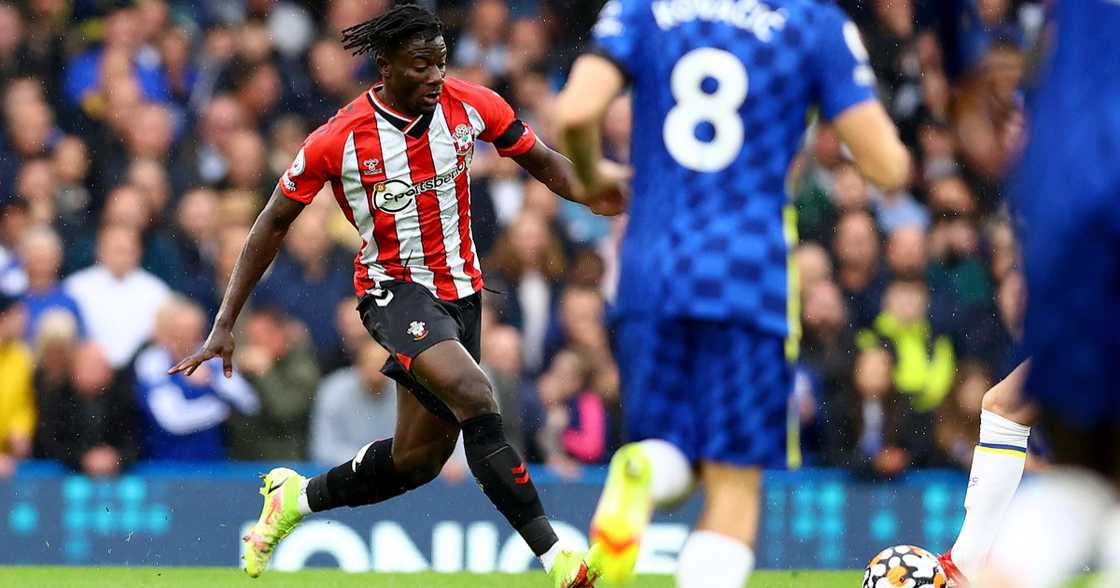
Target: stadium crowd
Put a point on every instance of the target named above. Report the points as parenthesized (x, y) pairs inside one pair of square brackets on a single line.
[(141, 138)]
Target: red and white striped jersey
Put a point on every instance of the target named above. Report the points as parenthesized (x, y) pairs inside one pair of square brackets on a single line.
[(404, 183)]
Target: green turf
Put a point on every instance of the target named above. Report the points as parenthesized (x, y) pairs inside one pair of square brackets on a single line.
[(75, 577)]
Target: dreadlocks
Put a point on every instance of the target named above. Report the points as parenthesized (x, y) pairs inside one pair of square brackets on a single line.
[(390, 30)]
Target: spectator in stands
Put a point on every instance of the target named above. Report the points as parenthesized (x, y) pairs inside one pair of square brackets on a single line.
[(17, 398), (15, 219), (526, 265), (483, 44), (576, 421), (87, 419), (501, 360), (256, 87), (849, 193), (196, 237), (353, 406), (332, 84), (117, 299), (202, 158), (310, 277), (815, 180), (858, 271), (41, 253), (122, 53), (249, 171), (813, 265), (828, 341), (956, 263), (958, 419), (73, 197), (182, 416), (925, 360), (877, 433), (277, 360), (35, 184)]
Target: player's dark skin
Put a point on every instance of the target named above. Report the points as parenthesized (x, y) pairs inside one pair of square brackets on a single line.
[(413, 78)]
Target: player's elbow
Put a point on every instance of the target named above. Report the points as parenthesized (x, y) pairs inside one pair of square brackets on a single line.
[(570, 115), (891, 171)]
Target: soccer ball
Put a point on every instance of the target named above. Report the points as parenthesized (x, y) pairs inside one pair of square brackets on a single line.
[(904, 566)]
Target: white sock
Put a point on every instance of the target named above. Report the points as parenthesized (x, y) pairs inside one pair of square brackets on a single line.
[(997, 468), (549, 556), (1110, 551), (711, 560), (1051, 531), (301, 503), (671, 475)]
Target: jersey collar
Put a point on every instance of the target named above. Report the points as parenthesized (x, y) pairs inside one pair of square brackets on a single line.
[(414, 127)]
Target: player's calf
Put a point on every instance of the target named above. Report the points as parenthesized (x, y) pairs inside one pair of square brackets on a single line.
[(718, 554)]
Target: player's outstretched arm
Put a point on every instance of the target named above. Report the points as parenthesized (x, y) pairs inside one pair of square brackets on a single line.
[(868, 132), (556, 171), (258, 252), (593, 83)]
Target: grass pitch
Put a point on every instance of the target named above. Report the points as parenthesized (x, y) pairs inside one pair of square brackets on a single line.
[(76, 577)]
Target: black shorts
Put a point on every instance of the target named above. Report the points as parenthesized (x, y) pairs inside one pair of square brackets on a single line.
[(406, 319)]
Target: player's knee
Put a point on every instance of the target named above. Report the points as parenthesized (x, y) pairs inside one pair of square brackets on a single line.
[(1002, 400), (471, 395)]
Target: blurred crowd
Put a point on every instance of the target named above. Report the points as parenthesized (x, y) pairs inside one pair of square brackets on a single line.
[(141, 138)]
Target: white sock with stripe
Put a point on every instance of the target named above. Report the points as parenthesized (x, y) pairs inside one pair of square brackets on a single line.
[(711, 560), (997, 468)]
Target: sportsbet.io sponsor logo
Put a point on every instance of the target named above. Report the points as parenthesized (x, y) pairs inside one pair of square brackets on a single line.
[(393, 196)]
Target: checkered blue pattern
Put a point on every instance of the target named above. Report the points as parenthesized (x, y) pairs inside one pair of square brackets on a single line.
[(709, 243), (1065, 192), (718, 392)]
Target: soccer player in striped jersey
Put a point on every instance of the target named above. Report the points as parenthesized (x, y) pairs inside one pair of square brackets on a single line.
[(397, 160), (721, 95)]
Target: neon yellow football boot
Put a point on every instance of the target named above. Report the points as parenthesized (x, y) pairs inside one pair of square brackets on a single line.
[(574, 569), (624, 512), (279, 517)]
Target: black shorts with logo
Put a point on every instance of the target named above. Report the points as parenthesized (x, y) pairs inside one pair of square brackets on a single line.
[(406, 319)]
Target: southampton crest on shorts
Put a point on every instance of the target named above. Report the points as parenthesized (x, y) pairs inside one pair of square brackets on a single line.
[(418, 330)]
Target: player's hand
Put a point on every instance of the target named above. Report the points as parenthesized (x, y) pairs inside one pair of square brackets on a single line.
[(608, 195), (220, 343)]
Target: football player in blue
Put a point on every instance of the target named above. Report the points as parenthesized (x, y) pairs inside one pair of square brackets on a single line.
[(705, 324), (1065, 191)]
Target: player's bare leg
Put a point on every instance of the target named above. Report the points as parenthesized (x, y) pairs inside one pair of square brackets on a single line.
[(381, 470), (451, 373), (719, 553), (997, 468)]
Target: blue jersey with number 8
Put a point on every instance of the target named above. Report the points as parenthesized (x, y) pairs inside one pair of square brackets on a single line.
[(721, 92)]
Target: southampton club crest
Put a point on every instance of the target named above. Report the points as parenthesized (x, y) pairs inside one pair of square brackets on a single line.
[(464, 141), (418, 330)]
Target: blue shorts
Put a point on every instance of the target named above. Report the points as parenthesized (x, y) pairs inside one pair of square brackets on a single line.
[(718, 391), (1072, 327)]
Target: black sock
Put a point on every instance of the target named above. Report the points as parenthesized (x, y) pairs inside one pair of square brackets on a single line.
[(504, 479), (367, 479)]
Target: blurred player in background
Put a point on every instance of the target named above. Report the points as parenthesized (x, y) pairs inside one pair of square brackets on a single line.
[(397, 160), (1066, 189), (705, 326)]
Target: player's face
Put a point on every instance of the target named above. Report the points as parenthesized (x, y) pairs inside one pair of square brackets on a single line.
[(414, 75)]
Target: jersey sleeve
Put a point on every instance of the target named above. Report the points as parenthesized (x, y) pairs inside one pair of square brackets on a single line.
[(509, 135), (842, 74), (616, 34), (310, 169)]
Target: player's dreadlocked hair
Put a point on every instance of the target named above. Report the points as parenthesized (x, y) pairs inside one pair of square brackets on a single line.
[(390, 30)]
